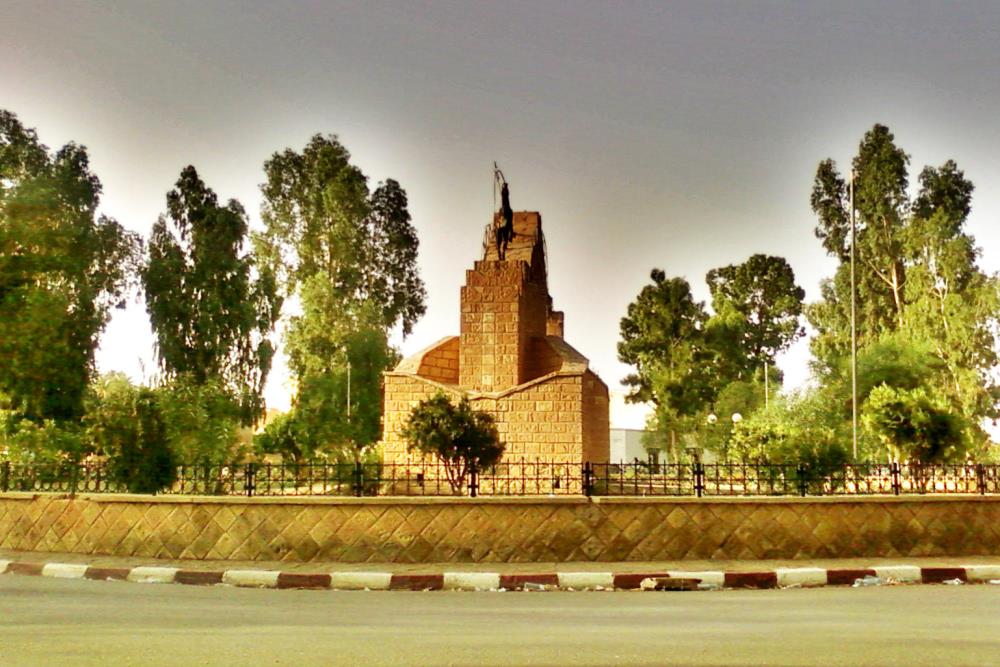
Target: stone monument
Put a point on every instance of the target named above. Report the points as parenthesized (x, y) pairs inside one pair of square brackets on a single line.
[(509, 359)]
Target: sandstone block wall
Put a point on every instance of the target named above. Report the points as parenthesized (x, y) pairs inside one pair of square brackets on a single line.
[(514, 530), (596, 415), (543, 420), (402, 393), (502, 310), (441, 364)]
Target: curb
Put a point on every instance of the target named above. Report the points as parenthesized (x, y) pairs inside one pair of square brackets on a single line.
[(803, 577)]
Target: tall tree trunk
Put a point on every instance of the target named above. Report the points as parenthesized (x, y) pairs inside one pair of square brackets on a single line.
[(897, 291)]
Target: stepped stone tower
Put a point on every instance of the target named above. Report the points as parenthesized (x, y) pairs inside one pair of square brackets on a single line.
[(510, 359)]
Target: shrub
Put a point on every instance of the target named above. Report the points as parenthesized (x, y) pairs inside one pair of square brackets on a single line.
[(460, 437)]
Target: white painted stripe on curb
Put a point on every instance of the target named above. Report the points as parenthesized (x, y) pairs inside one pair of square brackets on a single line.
[(982, 572), (583, 580), (906, 574), (251, 578), (3, 565), (64, 570), (472, 581), (152, 575), (800, 576), (710, 577), (359, 581)]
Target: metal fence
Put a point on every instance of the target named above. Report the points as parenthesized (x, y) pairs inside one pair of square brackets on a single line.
[(522, 478)]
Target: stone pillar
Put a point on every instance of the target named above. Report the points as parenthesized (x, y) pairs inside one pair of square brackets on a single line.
[(502, 309)]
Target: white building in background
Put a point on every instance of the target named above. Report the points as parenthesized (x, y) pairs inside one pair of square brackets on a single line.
[(626, 446), (628, 423), (628, 426)]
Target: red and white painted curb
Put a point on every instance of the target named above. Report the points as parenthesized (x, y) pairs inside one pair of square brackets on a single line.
[(493, 581)]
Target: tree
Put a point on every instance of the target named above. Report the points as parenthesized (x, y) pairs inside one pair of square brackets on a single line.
[(202, 421), (766, 303), (917, 273), (211, 306), (62, 268), (792, 430), (125, 423), (894, 360), (953, 306), (283, 436), (681, 357), (882, 205), (323, 222), (27, 441), (662, 336), (347, 257), (912, 425), (461, 438), (320, 421), (321, 406), (742, 397)]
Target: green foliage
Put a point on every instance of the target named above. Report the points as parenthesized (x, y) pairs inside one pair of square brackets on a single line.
[(124, 422), (202, 421), (211, 314), (282, 436), (917, 278), (798, 429), (760, 299), (321, 405), (685, 360), (882, 207), (348, 256), (895, 361), (62, 268), (323, 222), (460, 437), (742, 397), (49, 441), (914, 425), (146, 464), (662, 336), (111, 413)]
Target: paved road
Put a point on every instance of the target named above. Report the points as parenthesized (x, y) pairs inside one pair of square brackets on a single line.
[(53, 622)]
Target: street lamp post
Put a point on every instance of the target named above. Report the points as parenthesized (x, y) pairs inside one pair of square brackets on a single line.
[(854, 335), (711, 420)]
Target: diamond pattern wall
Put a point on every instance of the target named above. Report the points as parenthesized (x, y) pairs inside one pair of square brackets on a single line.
[(499, 530)]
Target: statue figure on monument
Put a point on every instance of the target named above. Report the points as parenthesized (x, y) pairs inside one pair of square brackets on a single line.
[(505, 232)]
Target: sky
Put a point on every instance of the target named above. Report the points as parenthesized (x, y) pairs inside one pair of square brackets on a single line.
[(677, 135)]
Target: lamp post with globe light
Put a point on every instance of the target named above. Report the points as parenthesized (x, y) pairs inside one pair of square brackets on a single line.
[(711, 420)]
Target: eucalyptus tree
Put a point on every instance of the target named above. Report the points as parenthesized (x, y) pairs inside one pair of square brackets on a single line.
[(918, 276), (347, 256), (63, 267), (212, 307), (322, 222)]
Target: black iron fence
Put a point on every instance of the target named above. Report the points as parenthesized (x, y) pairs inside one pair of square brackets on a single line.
[(521, 478)]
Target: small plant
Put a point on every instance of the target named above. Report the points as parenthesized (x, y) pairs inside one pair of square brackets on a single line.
[(463, 439)]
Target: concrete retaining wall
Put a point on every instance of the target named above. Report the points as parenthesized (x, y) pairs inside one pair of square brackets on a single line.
[(415, 530)]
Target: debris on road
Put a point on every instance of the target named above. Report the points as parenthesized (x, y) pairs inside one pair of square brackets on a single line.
[(868, 580), (669, 584)]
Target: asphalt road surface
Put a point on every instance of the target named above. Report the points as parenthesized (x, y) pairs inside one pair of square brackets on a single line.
[(59, 622)]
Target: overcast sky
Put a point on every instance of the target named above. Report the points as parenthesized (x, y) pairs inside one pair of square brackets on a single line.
[(679, 135)]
